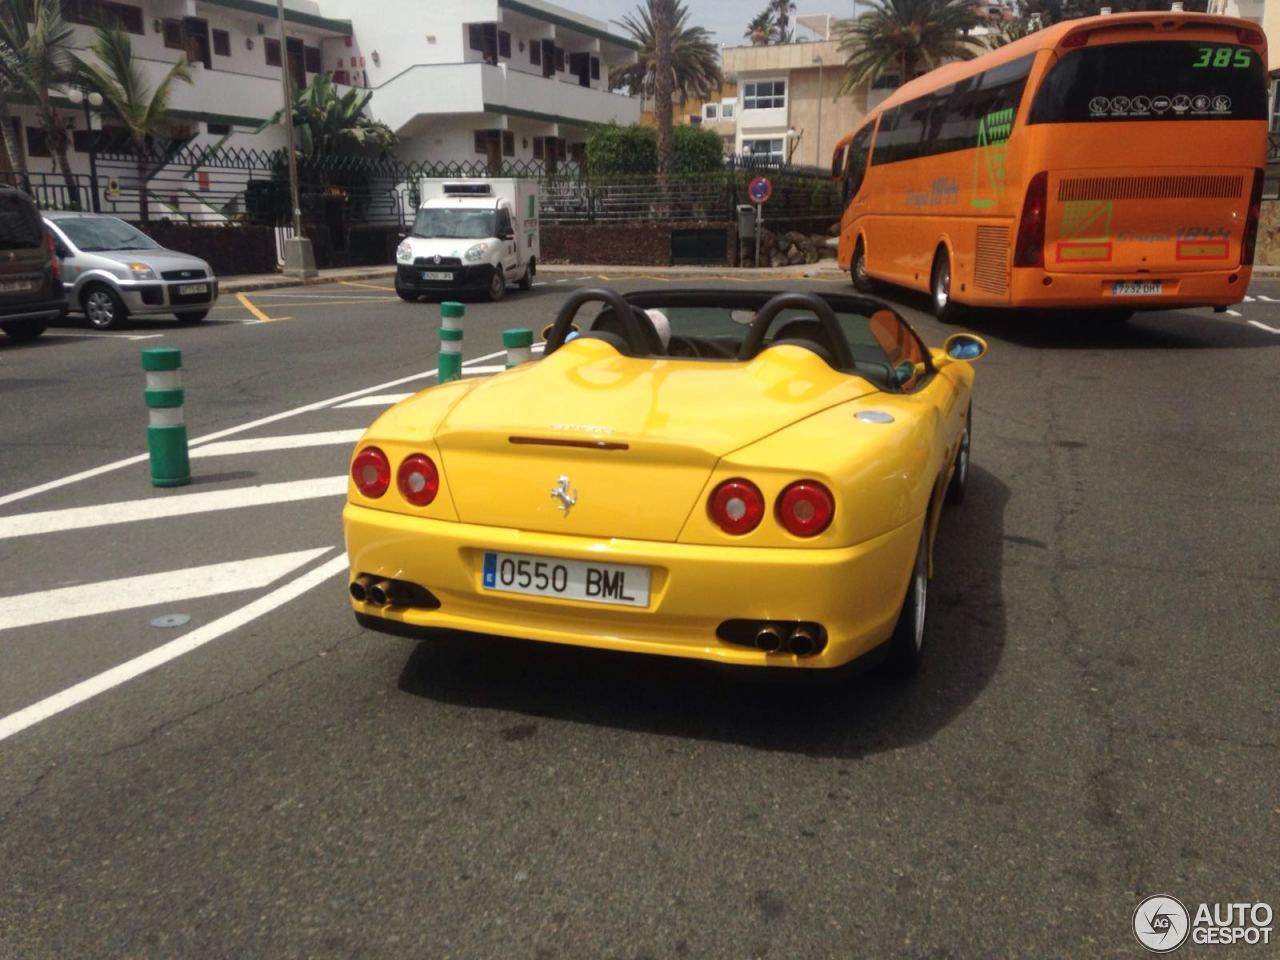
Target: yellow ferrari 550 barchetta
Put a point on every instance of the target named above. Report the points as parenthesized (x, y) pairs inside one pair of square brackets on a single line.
[(740, 477)]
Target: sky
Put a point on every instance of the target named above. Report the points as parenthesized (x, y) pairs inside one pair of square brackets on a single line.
[(726, 19)]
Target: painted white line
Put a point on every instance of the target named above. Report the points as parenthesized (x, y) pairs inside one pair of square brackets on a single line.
[(377, 400), (1267, 299), (482, 371), (1248, 299), (155, 508), (1262, 326), (539, 346), (266, 444), (590, 276), (565, 280), (1234, 313), (128, 593), (230, 432), (78, 334), (86, 689), (540, 283)]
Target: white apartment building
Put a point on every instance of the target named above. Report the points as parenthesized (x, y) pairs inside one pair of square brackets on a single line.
[(489, 80)]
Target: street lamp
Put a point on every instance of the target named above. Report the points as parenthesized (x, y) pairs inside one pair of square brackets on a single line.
[(299, 258), (90, 99), (817, 146)]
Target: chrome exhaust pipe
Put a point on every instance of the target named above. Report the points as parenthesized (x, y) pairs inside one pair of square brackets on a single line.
[(360, 588), (380, 593), (768, 638), (803, 642)]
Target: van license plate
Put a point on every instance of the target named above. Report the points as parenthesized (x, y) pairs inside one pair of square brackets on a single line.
[(611, 583), (187, 289), (14, 286), (436, 275), (1152, 288)]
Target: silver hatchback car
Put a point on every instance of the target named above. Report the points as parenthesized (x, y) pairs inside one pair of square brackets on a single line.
[(112, 271)]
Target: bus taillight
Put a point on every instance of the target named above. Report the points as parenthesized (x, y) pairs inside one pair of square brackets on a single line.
[(1250, 238), (1029, 249)]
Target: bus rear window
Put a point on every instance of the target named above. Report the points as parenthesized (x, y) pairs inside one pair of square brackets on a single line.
[(1153, 80)]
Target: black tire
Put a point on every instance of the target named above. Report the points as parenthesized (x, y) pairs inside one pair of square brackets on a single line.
[(960, 478), (103, 307), (858, 270), (944, 306), (906, 646), (408, 296), (192, 316), (498, 285), (23, 332), (526, 282)]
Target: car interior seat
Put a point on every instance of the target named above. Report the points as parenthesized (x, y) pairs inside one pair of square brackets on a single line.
[(810, 334)]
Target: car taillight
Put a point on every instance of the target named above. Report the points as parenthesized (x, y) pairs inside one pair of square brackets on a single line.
[(418, 479), (1029, 249), (1252, 37), (736, 506), (1077, 39), (1250, 238), (805, 508), (371, 472), (55, 265)]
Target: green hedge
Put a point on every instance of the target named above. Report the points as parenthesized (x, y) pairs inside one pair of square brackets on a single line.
[(613, 150)]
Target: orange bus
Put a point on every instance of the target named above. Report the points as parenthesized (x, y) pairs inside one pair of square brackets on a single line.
[(1110, 163)]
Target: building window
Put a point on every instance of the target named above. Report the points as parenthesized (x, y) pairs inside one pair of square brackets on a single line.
[(504, 44), (93, 12), (37, 142), (535, 53), (222, 43), (769, 150), (886, 81), (80, 140), (271, 51), (578, 153), (727, 109), (764, 94), (711, 111), (559, 59), (595, 68), (311, 56), (695, 119), (508, 143), (483, 37), (173, 35), (538, 149), (218, 129)]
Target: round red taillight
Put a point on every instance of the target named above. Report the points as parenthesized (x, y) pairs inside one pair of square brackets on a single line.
[(371, 472), (736, 506), (418, 479), (805, 508)]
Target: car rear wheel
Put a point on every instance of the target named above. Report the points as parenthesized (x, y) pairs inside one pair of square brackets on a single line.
[(23, 331), (526, 282), (906, 646), (498, 285), (960, 478), (191, 316), (858, 270), (944, 307), (103, 308)]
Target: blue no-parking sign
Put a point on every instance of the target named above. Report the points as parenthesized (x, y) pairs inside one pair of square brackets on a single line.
[(760, 190)]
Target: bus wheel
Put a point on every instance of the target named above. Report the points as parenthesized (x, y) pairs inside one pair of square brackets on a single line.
[(944, 308), (858, 270)]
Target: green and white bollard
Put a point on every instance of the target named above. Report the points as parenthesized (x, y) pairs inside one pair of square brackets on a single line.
[(519, 344), (167, 433), (450, 363)]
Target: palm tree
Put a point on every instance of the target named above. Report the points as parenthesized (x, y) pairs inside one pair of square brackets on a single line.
[(905, 37), (328, 123), (1010, 30), (695, 67), (143, 113), (780, 12), (663, 13), (760, 28), (35, 61)]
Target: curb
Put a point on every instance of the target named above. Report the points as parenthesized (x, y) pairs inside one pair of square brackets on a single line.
[(231, 285)]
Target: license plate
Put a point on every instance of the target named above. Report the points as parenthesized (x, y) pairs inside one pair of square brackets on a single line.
[(436, 275), (610, 583), (187, 289), (1153, 288), (13, 286)]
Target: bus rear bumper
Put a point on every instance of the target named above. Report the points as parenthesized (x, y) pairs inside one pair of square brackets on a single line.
[(1031, 287)]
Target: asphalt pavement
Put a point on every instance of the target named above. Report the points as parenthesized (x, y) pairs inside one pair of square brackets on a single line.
[(1096, 720)]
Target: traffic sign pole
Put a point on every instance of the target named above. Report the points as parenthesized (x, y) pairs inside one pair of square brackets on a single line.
[(759, 220), (760, 190)]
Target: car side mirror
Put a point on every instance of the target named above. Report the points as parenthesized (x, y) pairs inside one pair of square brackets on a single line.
[(964, 346), (509, 235)]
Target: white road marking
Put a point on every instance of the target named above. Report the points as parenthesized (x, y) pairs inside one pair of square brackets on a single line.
[(86, 689), (77, 334), (127, 593), (540, 283), (565, 280), (265, 444), (155, 508), (481, 371), (1267, 299), (229, 432), (1234, 313), (377, 400), (1248, 299), (1262, 326)]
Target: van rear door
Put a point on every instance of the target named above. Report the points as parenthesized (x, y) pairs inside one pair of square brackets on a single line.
[(24, 252)]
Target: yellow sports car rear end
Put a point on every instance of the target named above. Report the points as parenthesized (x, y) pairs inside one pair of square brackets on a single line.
[(770, 509)]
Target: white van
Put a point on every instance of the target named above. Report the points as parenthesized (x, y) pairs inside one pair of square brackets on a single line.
[(470, 236)]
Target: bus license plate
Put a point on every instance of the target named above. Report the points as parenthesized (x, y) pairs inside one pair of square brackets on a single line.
[(1150, 288), (610, 583), (436, 275), (187, 289)]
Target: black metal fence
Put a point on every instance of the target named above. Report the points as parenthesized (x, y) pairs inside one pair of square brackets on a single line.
[(229, 185)]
